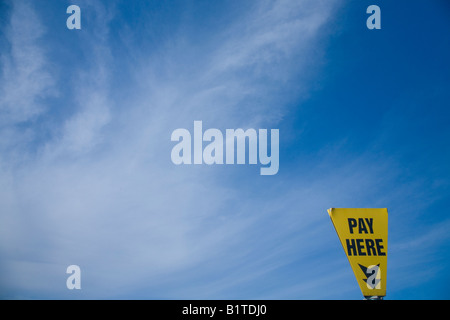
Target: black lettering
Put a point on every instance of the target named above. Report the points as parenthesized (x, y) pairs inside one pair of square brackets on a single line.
[(369, 222), (361, 226), (360, 246), (370, 245), (351, 224), (380, 247), (351, 248)]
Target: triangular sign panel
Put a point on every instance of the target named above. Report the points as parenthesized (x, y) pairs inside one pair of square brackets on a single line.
[(363, 234)]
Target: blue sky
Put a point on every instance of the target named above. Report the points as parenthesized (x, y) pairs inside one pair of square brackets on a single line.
[(86, 118)]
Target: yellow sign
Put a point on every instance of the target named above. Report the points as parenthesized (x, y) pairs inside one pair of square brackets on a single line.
[(363, 235)]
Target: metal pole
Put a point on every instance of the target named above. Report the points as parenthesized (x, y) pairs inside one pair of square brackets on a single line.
[(373, 298)]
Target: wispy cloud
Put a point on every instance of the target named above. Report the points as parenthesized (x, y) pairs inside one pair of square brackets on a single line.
[(26, 78), (81, 132), (102, 192)]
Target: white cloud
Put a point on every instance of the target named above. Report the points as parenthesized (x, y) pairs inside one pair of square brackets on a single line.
[(103, 193), (271, 33), (26, 77)]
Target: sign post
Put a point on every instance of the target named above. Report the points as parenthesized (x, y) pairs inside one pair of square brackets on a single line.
[(363, 235)]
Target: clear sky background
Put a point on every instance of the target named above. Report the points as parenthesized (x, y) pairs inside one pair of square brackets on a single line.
[(86, 176)]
